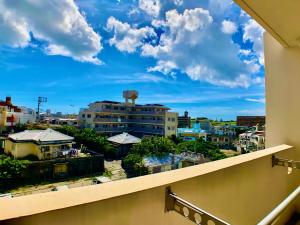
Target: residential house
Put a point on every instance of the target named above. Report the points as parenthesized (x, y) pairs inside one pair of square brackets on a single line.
[(44, 144)]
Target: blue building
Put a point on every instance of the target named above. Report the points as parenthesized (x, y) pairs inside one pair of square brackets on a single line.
[(191, 134)]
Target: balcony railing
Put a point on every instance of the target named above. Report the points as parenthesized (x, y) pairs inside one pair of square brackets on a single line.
[(129, 112), (240, 190), (117, 120)]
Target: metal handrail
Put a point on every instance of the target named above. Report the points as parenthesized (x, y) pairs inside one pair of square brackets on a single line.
[(189, 211), (275, 213)]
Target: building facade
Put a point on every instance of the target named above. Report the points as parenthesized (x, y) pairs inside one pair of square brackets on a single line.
[(10, 114), (252, 140), (250, 121), (111, 118), (184, 121), (192, 134)]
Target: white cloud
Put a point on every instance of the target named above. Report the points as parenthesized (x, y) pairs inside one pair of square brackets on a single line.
[(254, 33), (228, 27), (58, 23), (127, 38), (194, 45), (245, 52), (151, 7), (178, 2), (140, 78), (259, 100)]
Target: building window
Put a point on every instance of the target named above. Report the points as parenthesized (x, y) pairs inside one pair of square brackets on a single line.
[(83, 115), (45, 148), (89, 115), (173, 119)]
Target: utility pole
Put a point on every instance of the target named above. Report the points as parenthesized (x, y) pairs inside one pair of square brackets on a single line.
[(40, 101)]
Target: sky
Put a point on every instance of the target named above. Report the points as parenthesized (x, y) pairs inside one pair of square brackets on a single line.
[(203, 56)]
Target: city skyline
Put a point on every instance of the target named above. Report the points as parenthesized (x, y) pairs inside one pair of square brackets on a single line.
[(210, 62)]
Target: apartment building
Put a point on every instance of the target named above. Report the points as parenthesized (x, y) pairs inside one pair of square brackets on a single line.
[(184, 121), (112, 117), (10, 114)]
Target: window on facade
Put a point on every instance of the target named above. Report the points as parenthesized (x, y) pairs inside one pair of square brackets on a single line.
[(45, 148), (89, 115)]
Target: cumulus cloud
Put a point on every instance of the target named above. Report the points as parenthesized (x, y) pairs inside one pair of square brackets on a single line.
[(127, 38), (151, 7), (254, 33), (57, 23), (228, 27), (194, 45)]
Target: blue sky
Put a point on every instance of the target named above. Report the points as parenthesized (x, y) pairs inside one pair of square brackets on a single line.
[(202, 56)]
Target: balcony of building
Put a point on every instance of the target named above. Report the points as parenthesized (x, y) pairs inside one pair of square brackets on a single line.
[(128, 120), (238, 190), (241, 190)]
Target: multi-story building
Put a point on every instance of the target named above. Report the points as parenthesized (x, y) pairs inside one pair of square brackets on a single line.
[(250, 121), (10, 115), (184, 121), (171, 123), (111, 117)]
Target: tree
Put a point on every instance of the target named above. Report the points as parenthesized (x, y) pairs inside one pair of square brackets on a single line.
[(154, 145), (11, 168), (133, 165), (208, 149), (176, 140), (90, 139)]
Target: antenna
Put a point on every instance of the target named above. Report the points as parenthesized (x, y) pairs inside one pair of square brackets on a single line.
[(40, 101)]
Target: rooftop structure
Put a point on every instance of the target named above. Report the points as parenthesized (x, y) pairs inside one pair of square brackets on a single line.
[(40, 136), (124, 138)]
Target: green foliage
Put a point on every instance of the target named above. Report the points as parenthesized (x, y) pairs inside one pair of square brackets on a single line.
[(158, 146), (133, 165), (11, 168), (20, 127), (107, 174), (153, 146), (176, 140), (206, 148), (90, 139)]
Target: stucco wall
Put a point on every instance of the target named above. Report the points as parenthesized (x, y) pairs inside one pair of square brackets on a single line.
[(20, 150), (282, 67)]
